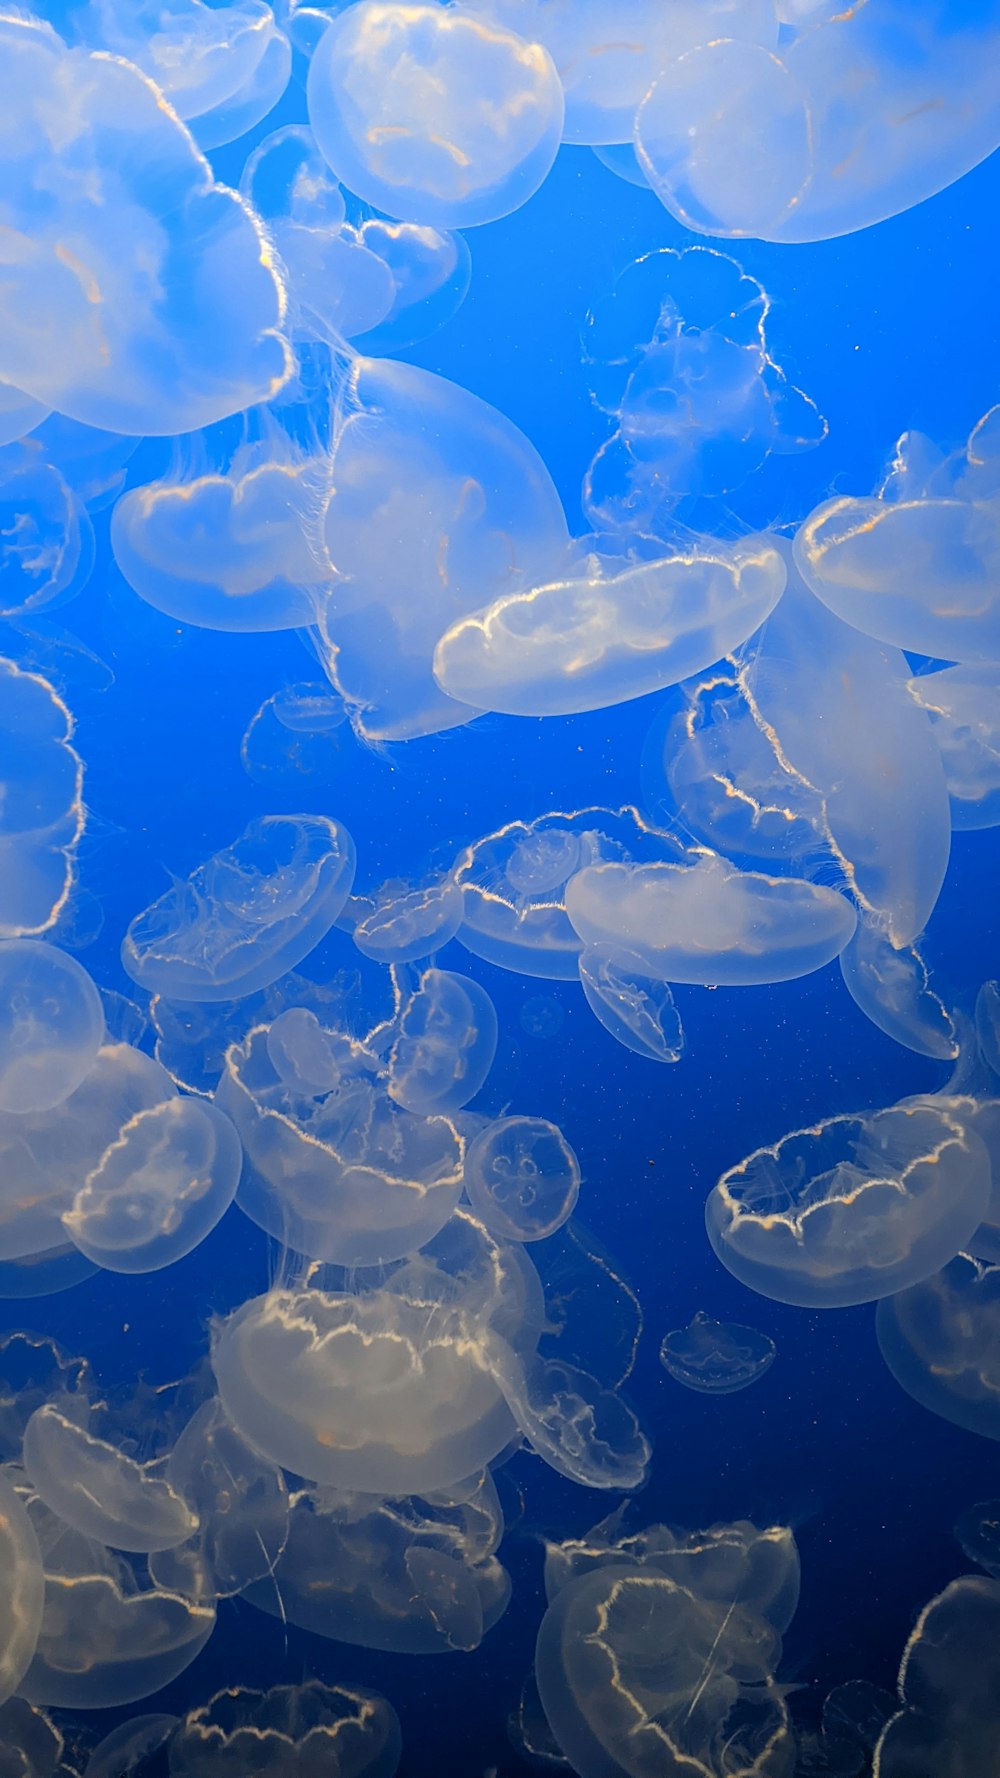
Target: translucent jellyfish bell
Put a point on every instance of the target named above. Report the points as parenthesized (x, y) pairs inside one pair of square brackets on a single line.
[(41, 809), (290, 1731), (239, 1504), (51, 1025), (854, 1209), (247, 915), (949, 1683), (403, 925), (23, 1589), (632, 1004), (941, 1341), (46, 538), (893, 988), (522, 1178), (716, 1357), (578, 1427), (444, 1046), (99, 1489)]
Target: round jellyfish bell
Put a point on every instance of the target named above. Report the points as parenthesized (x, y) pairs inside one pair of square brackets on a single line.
[(445, 1044), (406, 924), (634, 1006), (716, 1357), (247, 915), (855, 1208), (291, 1731), (941, 1341), (949, 1686), (978, 1532), (522, 1178), (23, 1587), (100, 1490), (41, 810), (580, 1429), (51, 1025)]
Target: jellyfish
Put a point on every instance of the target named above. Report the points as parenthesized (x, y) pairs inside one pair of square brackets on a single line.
[(41, 807), (400, 924), (854, 1209), (444, 1045), (893, 988), (988, 1024), (856, 116), (716, 1357), (569, 1419), (949, 1683), (978, 1532), (239, 1505), (124, 1751), (431, 272), (23, 1589), (293, 735), (434, 117), (291, 1731), (941, 1340), (100, 1490), (248, 914), (522, 1177), (52, 1025), (541, 1016), (634, 1006), (963, 703), (46, 537)]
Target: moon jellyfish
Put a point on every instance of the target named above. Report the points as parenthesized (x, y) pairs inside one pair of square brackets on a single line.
[(522, 1178), (51, 1026), (892, 986), (963, 703), (941, 1341), (294, 736), (855, 117), (445, 1042), (431, 270), (100, 1490), (634, 1006), (291, 1731), (978, 1532), (571, 1421), (22, 1584), (916, 564), (949, 1684), (716, 1357), (988, 1024), (541, 1016), (239, 1504), (709, 922), (125, 1750), (400, 924), (46, 537), (247, 915), (159, 1189), (41, 808), (434, 116), (855, 1208), (332, 1166)]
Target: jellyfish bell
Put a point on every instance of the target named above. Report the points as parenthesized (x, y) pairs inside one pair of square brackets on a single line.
[(716, 1357), (291, 1731), (522, 1177), (939, 1338), (23, 1588), (99, 1489), (51, 1027), (444, 1046), (633, 1005)]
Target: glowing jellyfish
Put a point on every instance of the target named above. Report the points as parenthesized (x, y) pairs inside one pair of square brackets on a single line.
[(290, 1731), (434, 117), (856, 116), (51, 1026), (916, 564), (23, 1590), (445, 1042), (247, 915), (941, 1341), (716, 1357), (522, 1178), (41, 810), (125, 1750), (949, 1683), (855, 1208), (239, 1504), (294, 736), (978, 1532), (635, 1006), (963, 703), (99, 1489), (46, 538), (431, 272), (399, 924), (892, 986), (570, 1420), (988, 1024)]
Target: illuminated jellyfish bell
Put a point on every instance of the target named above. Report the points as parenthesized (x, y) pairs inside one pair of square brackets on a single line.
[(445, 1042), (716, 1357), (332, 1167), (963, 703), (239, 1503), (434, 116), (416, 1575), (41, 811), (248, 914), (576, 1425), (858, 115), (51, 1025), (893, 988), (915, 565), (46, 537), (23, 1589), (290, 1731), (125, 1749), (636, 1007), (949, 1683), (522, 1178), (400, 924), (855, 1208), (431, 270), (988, 1024), (941, 1341), (98, 1489), (978, 1532)]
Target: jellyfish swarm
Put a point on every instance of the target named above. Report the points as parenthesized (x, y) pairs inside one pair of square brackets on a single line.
[(716, 1357)]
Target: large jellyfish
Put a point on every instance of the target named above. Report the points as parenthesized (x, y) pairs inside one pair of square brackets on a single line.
[(941, 1341), (949, 1684), (291, 1731)]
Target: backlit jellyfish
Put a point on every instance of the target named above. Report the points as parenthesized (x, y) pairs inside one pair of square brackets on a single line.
[(239, 1503), (102, 329), (293, 736), (963, 703), (636, 1007), (988, 1024), (46, 537), (716, 1357), (23, 1586), (708, 922), (32, 1747), (941, 1341), (411, 1576), (858, 114), (98, 1489), (522, 1178), (949, 1684), (659, 1655), (125, 1750), (159, 1189), (605, 633), (234, 550), (248, 914), (333, 1168), (434, 116), (893, 988), (34, 1369), (291, 1731), (855, 1208), (401, 924), (431, 270), (593, 1316), (437, 505), (978, 1532), (916, 564), (541, 1016), (41, 807), (570, 1420), (51, 1025), (445, 1042)]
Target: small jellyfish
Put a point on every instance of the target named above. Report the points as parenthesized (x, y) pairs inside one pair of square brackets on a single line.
[(431, 271), (445, 1042), (294, 736), (978, 1532), (716, 1357), (51, 1025), (941, 1340), (892, 986), (522, 1178), (636, 1007), (541, 1016), (406, 924), (578, 1427), (291, 1731)]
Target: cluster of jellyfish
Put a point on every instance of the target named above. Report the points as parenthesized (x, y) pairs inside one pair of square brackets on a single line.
[(833, 714)]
